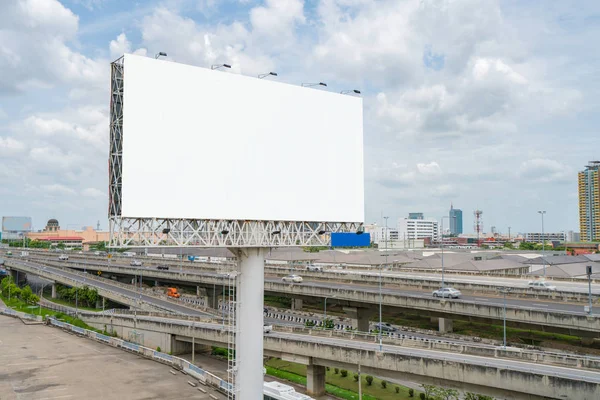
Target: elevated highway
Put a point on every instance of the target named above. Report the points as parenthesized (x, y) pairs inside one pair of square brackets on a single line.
[(361, 300), (497, 372), (106, 288)]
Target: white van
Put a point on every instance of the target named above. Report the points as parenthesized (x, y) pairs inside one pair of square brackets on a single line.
[(63, 257), (314, 268)]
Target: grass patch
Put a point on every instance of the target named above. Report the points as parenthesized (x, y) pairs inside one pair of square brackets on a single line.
[(345, 388), (67, 303), (19, 305)]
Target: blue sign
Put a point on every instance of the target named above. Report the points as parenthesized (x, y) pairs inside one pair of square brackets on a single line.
[(350, 239), (191, 258)]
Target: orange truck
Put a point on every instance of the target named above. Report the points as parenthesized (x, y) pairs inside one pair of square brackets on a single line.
[(172, 292)]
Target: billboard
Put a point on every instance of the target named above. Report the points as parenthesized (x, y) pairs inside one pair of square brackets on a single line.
[(350, 239), (16, 224), (204, 144)]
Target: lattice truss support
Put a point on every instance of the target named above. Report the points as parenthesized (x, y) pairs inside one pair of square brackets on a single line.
[(115, 158), (148, 232)]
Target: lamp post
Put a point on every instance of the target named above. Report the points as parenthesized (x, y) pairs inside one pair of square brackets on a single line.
[(380, 288), (260, 76), (588, 269), (325, 311), (217, 66), (504, 292), (350, 91), (543, 242), (442, 247), (160, 54), (314, 84)]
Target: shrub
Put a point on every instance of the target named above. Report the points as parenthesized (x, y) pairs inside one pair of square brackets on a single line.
[(422, 396), (158, 349), (344, 373), (383, 384), (328, 369), (398, 390), (336, 370), (355, 377), (411, 393), (369, 380)]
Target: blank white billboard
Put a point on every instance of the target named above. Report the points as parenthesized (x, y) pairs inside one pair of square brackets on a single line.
[(207, 144)]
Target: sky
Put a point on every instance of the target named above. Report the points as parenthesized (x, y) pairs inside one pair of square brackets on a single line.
[(489, 105)]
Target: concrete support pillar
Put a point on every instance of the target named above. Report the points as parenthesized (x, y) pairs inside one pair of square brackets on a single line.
[(445, 325), (99, 301), (180, 347), (54, 290), (315, 380), (212, 296), (296, 304), (250, 300), (360, 317)]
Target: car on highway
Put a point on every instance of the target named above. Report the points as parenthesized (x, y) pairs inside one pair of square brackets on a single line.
[(267, 328), (163, 267), (541, 285), (450, 293), (386, 327), (63, 257), (135, 263), (292, 278)]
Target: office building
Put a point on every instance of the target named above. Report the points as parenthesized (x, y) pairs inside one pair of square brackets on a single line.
[(537, 237), (572, 236), (381, 235), (409, 229), (415, 216), (589, 202), (456, 221)]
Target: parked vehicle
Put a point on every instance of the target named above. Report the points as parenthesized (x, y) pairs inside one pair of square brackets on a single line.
[(172, 292), (267, 328), (128, 254), (63, 257), (541, 285), (314, 268), (9, 253), (292, 279), (135, 263), (163, 267), (447, 292)]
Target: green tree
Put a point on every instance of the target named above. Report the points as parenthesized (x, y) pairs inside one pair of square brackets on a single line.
[(411, 392), (344, 373), (383, 384), (475, 396), (428, 390), (369, 380), (329, 323), (355, 377), (445, 394), (508, 245), (26, 294)]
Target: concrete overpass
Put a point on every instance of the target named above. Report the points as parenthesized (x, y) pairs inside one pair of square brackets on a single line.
[(105, 288), (497, 372), (360, 301)]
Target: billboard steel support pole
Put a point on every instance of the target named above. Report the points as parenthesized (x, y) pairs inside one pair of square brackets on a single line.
[(249, 337)]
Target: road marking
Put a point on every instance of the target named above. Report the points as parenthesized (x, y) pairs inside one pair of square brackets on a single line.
[(481, 299), (540, 305), (57, 397)]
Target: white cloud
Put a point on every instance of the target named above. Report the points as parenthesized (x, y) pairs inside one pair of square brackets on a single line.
[(545, 171), (93, 192), (10, 146), (57, 189), (275, 23)]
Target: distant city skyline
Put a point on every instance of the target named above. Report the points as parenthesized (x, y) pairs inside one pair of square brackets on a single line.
[(478, 111)]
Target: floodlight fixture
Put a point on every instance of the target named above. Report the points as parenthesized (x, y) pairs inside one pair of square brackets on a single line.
[(224, 231), (321, 232), (217, 66), (314, 84), (350, 91), (277, 231), (360, 230), (160, 54), (260, 76), (166, 231)]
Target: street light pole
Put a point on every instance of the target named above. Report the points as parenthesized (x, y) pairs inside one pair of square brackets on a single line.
[(442, 247), (504, 292), (380, 288), (543, 242), (589, 274)]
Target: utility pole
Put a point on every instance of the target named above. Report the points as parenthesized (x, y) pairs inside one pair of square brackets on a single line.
[(543, 242), (359, 384), (504, 292)]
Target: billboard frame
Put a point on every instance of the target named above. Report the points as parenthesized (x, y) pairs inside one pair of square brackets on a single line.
[(134, 231)]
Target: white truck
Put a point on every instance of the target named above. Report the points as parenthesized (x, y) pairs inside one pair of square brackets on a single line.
[(63, 257), (24, 254)]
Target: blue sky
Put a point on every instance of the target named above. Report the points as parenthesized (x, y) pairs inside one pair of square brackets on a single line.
[(485, 104)]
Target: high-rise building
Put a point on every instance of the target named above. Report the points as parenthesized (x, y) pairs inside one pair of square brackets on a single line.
[(415, 215), (456, 222), (589, 202)]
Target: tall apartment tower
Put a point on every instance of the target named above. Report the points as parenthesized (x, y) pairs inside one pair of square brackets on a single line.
[(589, 202), (456, 221)]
